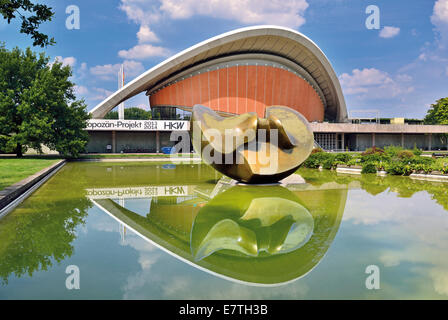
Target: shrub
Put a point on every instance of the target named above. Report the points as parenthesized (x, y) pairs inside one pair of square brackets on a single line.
[(417, 151), (343, 157), (318, 159), (353, 161), (368, 167), (392, 151), (421, 160), (373, 150), (374, 155), (329, 163), (398, 168), (405, 154), (316, 150), (311, 162)]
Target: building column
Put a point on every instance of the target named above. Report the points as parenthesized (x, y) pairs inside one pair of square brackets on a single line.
[(343, 140), (430, 142), (402, 140), (114, 142), (157, 142), (373, 139)]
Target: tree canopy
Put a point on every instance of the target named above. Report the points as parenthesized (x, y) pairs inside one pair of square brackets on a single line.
[(32, 15), (438, 112), (133, 113), (38, 105)]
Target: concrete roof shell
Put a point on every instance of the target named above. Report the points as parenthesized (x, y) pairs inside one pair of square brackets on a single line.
[(272, 40)]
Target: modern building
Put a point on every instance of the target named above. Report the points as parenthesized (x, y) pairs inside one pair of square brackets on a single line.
[(246, 70)]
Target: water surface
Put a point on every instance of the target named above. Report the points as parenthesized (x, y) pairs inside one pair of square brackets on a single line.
[(163, 231)]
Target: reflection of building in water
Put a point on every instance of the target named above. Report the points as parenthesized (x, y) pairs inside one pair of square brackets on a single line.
[(122, 227), (223, 219), (122, 230)]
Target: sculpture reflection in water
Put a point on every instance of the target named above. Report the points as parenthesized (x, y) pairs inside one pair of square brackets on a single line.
[(260, 235)]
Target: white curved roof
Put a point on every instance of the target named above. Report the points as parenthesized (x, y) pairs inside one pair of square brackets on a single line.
[(274, 40)]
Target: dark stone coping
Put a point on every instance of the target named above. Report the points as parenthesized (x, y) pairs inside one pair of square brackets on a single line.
[(11, 193)]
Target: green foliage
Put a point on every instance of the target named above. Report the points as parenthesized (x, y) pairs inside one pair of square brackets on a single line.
[(373, 150), (405, 154), (317, 159), (394, 160), (312, 162), (32, 15), (438, 112), (368, 167), (38, 105), (392, 151), (343, 157), (354, 161), (417, 151), (374, 154), (133, 113), (328, 163), (398, 168)]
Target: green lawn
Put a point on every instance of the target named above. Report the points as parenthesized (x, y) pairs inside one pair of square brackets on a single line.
[(13, 170)]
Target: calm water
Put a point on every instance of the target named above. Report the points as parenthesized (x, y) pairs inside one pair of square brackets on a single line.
[(153, 231)]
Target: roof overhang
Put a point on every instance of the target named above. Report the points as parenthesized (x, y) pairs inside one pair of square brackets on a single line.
[(271, 40)]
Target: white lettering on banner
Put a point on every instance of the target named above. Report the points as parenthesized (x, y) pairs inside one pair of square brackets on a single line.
[(138, 192), (137, 125)]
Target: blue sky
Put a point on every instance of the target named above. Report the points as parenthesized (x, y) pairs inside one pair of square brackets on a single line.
[(399, 70)]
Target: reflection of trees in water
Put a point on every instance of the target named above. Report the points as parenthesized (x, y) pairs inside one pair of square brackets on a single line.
[(404, 187), (317, 178), (40, 231)]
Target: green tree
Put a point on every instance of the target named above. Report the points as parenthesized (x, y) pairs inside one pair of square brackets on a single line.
[(438, 112), (38, 105), (133, 113), (32, 15)]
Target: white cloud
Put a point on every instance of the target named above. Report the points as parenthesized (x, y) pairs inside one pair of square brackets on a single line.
[(141, 12), (110, 71), (439, 19), (83, 67), (279, 12), (404, 78), (148, 13), (371, 83), (389, 32), (100, 94), (286, 13), (144, 51), (361, 80), (440, 12), (423, 57), (67, 61), (81, 90), (145, 35)]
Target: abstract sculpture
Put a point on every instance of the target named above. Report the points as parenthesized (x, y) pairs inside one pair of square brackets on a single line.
[(249, 149)]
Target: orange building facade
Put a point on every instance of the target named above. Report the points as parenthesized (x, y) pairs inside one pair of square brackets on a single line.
[(242, 87)]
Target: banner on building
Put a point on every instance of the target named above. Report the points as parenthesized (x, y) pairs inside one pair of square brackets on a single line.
[(137, 125)]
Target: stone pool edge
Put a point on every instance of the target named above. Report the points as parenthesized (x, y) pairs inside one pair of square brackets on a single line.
[(382, 173), (13, 195)]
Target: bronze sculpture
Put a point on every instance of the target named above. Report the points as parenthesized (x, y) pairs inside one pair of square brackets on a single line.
[(250, 149)]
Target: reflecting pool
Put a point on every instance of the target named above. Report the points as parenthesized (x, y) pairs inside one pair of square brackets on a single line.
[(140, 230)]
